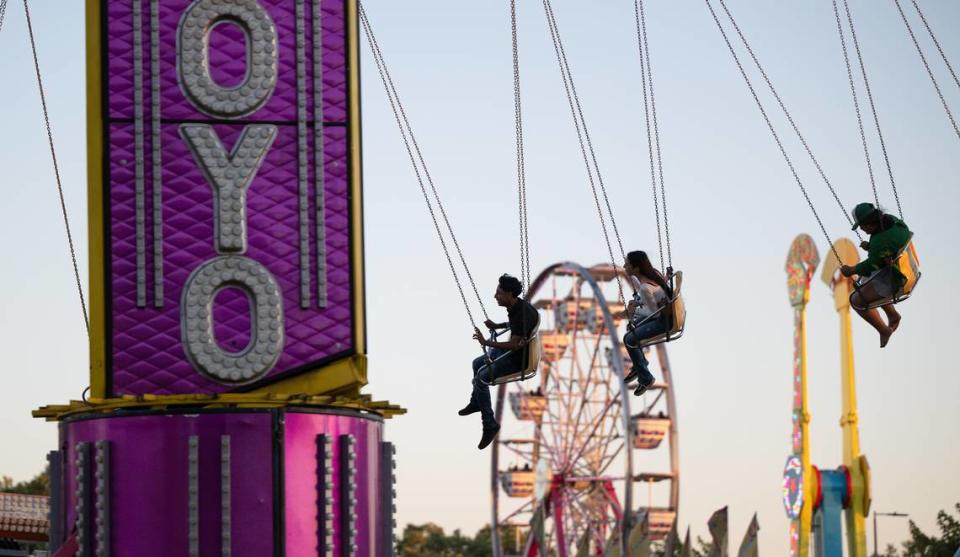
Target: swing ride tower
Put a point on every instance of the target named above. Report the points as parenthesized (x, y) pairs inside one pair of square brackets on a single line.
[(227, 334), (823, 504), (799, 489), (855, 469)]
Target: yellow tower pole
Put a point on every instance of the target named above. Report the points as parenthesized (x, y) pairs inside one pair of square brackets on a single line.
[(800, 488), (855, 463)]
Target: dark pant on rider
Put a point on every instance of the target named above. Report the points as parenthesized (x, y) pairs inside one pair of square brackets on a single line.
[(634, 336), (880, 285), (481, 392)]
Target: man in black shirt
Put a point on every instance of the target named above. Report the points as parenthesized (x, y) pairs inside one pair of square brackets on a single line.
[(523, 319)]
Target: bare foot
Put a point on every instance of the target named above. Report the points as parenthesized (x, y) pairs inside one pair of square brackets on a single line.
[(885, 337), (893, 322)]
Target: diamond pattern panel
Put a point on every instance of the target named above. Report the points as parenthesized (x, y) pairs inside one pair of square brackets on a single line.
[(147, 353), (226, 57)]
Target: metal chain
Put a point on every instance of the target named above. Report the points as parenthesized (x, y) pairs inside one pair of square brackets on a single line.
[(3, 12), (586, 131), (433, 189), (56, 167), (646, 119), (873, 109), (937, 43), (578, 120), (789, 116), (656, 135), (409, 141), (856, 103), (521, 166), (926, 65), (773, 131)]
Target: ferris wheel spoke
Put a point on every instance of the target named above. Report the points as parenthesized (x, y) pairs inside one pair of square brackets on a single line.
[(524, 454), (585, 516), (526, 507), (656, 399), (598, 467), (606, 461), (554, 446), (596, 424), (586, 388)]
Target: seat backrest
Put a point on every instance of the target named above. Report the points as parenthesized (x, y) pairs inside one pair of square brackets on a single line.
[(909, 265), (678, 312), (534, 349)]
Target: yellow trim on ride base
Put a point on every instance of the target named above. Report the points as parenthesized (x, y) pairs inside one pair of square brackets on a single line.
[(95, 216), (356, 181), (343, 377), (56, 412)]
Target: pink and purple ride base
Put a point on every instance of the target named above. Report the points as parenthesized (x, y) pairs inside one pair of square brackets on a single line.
[(247, 483)]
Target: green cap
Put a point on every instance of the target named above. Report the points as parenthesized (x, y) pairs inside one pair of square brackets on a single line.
[(861, 213)]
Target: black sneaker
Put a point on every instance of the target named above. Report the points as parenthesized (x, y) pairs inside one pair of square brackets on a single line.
[(469, 409), (643, 385), (489, 433), (634, 373)]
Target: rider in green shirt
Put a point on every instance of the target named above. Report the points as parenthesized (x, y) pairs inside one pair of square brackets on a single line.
[(888, 235)]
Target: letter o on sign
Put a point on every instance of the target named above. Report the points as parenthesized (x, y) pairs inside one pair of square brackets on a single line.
[(196, 320), (193, 58)]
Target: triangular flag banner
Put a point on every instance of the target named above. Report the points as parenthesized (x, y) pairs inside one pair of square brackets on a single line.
[(673, 541), (718, 529), (583, 548), (532, 548), (749, 546), (687, 550), (638, 544)]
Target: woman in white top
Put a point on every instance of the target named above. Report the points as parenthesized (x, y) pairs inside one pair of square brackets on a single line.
[(651, 293)]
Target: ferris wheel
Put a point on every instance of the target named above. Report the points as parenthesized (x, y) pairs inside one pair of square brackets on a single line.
[(577, 455)]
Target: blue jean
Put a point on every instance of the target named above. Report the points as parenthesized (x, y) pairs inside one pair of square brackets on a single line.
[(633, 337), (481, 392)]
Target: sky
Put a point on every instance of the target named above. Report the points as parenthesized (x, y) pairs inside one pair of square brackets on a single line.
[(734, 210)]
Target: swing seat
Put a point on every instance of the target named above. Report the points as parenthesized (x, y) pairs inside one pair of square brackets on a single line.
[(534, 351), (675, 312), (909, 266)]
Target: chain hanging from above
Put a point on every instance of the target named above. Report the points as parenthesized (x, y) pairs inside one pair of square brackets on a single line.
[(873, 107), (586, 145), (3, 12), (521, 163), (53, 155), (766, 119), (926, 65), (783, 108), (943, 55), (650, 116), (420, 169)]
